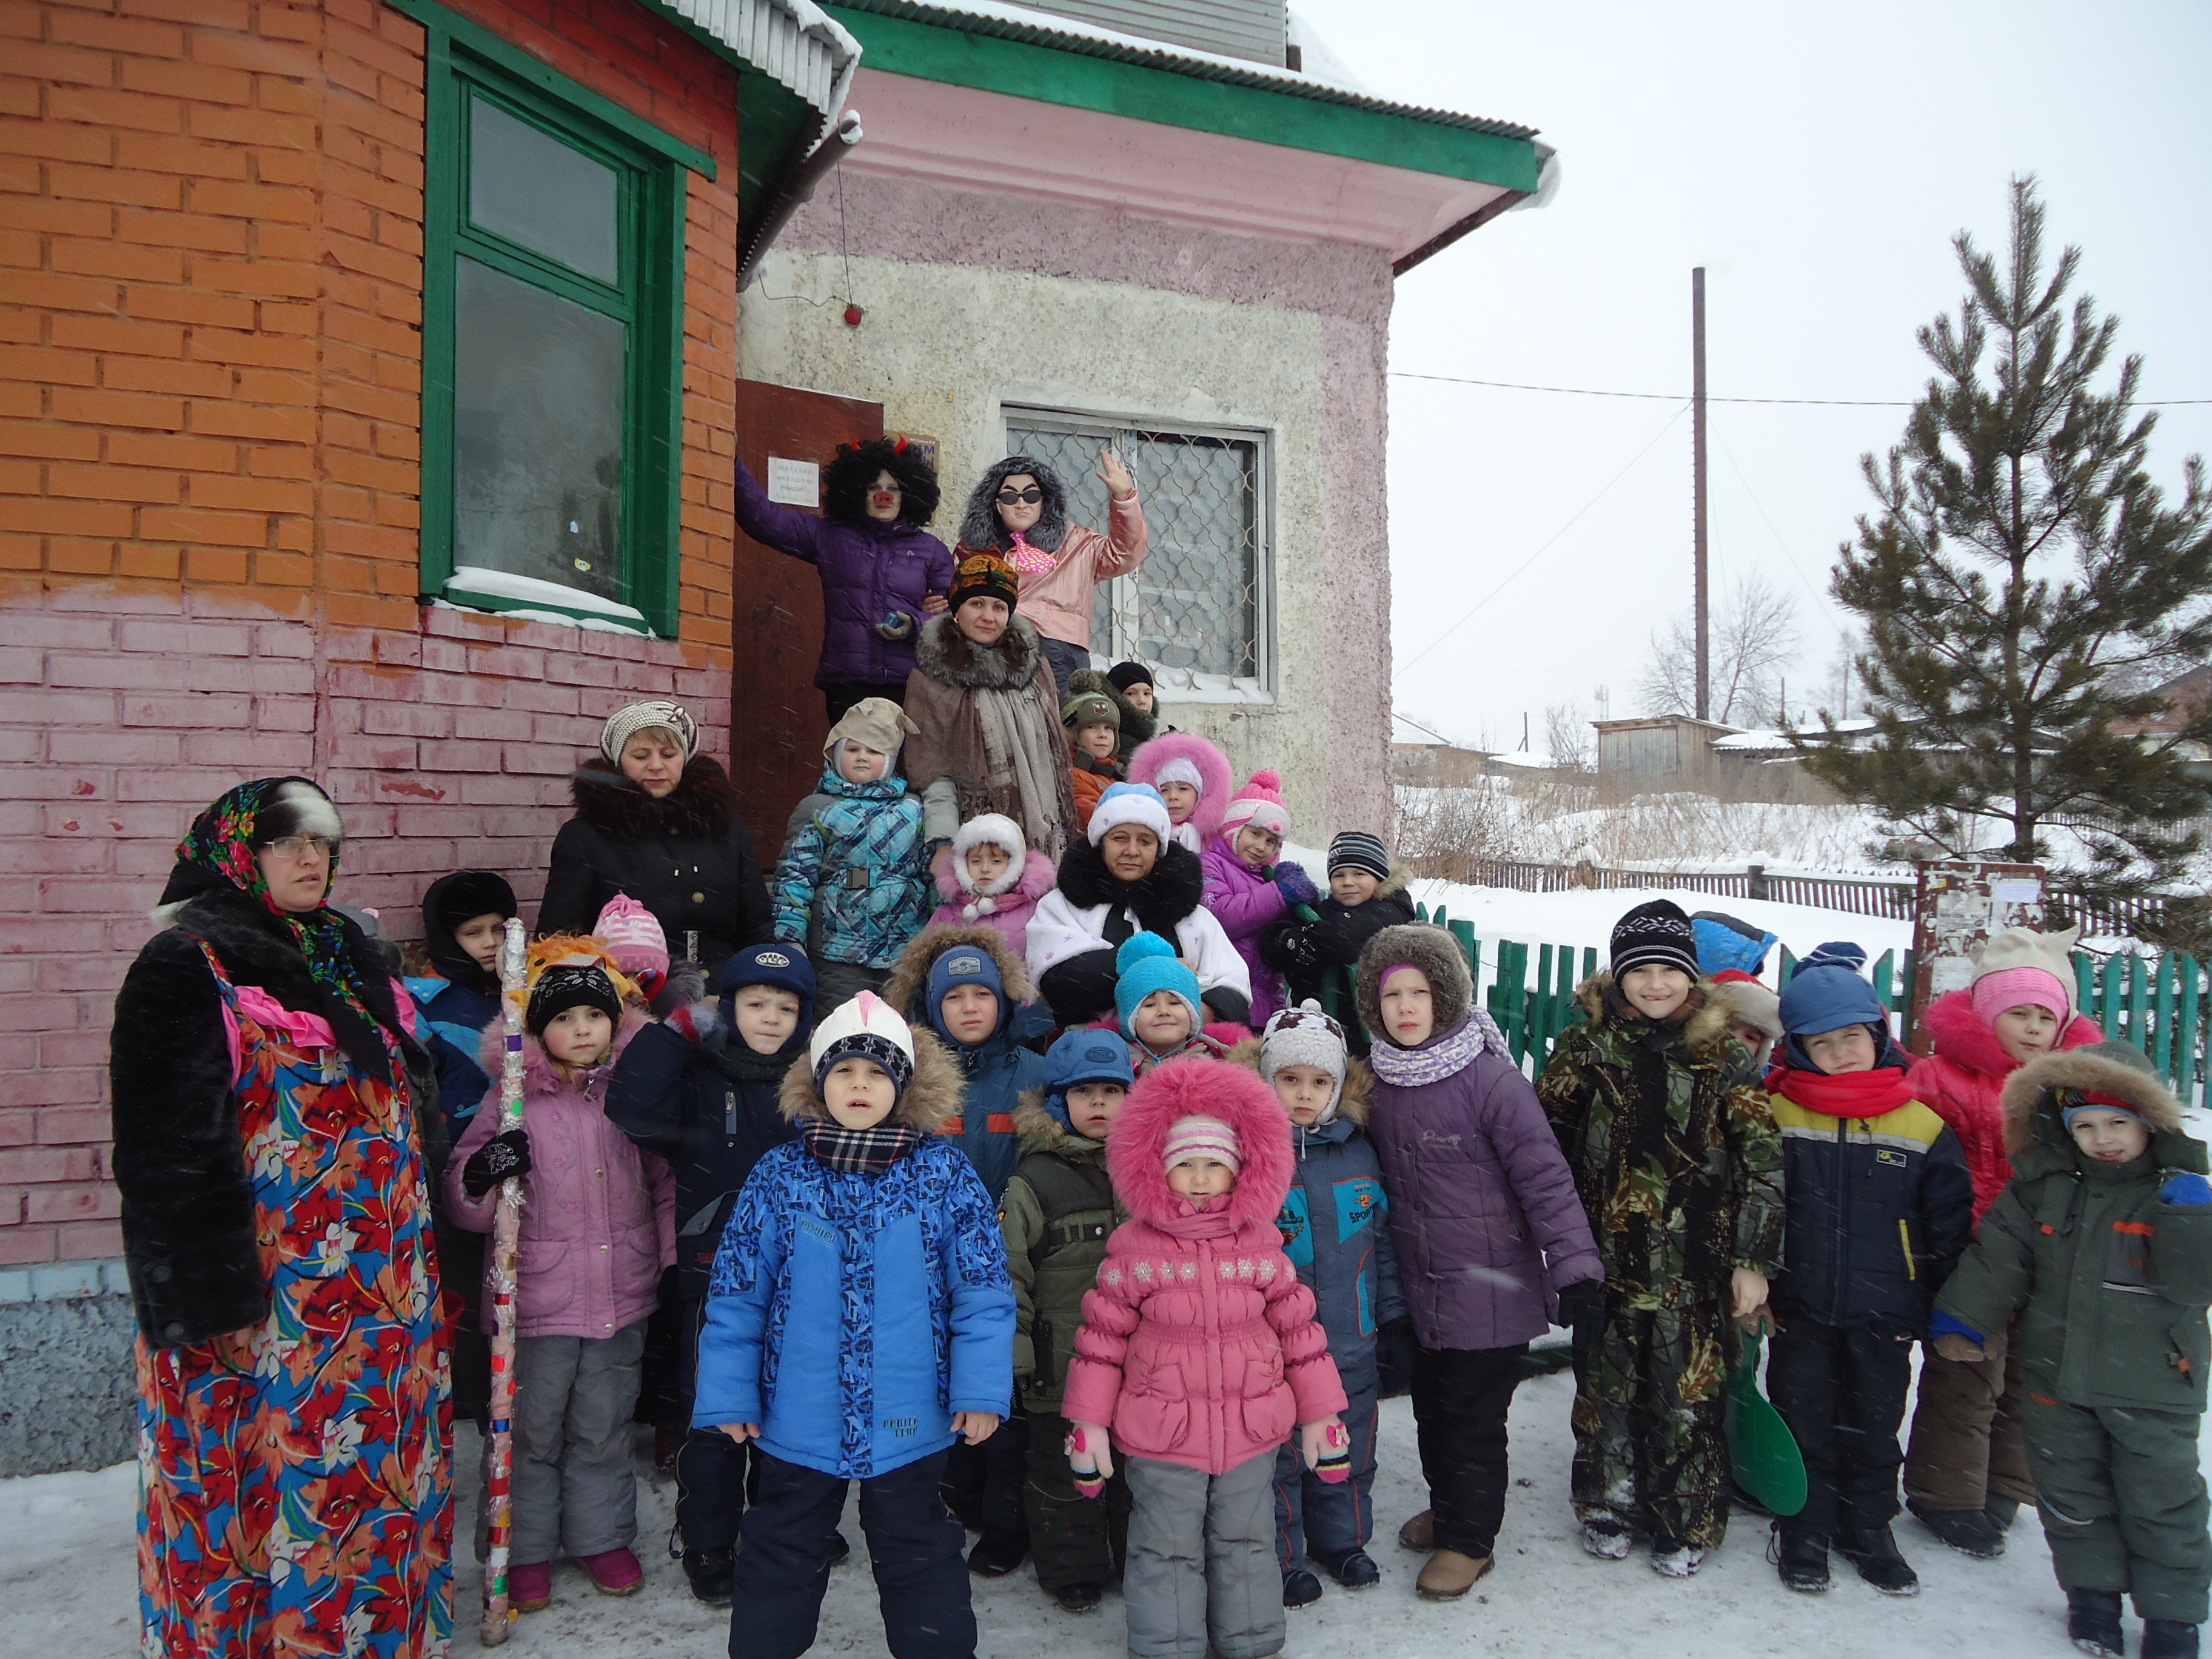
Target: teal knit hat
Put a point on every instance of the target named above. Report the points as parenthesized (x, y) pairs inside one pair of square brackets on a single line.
[(1147, 964)]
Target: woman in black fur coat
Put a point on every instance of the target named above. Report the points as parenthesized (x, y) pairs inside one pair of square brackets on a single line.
[(658, 820)]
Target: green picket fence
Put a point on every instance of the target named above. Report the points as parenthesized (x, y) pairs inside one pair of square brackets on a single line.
[(2161, 1004)]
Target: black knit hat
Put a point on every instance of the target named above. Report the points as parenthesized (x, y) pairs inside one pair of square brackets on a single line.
[(566, 985), (1355, 849), (1657, 933), (1123, 675)]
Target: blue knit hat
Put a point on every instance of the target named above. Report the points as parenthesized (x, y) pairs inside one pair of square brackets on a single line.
[(1826, 994), (1083, 1056), (961, 964), (1147, 964), (783, 966)]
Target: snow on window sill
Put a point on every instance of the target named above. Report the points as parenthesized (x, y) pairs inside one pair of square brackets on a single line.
[(500, 594)]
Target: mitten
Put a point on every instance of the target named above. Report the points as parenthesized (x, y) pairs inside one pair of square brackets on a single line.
[(2185, 1188), (686, 983), (1582, 1310), (1295, 886), (501, 1156), (1328, 1448), (694, 1021), (1088, 1457)]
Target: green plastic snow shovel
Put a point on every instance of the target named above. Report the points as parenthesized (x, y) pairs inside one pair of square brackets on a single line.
[(1761, 1449)]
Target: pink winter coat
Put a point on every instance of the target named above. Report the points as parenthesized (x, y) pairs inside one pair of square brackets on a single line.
[(598, 1216), (1962, 1082), (1199, 1345), (1244, 902), (1059, 600), (1012, 909)]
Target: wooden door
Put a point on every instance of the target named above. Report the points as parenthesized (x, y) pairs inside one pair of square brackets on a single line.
[(777, 724)]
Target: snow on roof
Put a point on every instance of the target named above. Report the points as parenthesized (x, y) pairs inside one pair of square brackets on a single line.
[(1776, 742)]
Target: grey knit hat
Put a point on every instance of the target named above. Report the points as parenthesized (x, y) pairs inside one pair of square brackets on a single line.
[(661, 713)]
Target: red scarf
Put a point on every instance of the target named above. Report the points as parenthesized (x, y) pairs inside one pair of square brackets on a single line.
[(1848, 1094)]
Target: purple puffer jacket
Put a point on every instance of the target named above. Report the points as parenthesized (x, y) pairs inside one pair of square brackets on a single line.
[(1244, 902), (1482, 1209), (868, 571)]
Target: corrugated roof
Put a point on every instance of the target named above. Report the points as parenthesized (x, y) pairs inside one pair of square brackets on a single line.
[(1012, 22), (793, 42)]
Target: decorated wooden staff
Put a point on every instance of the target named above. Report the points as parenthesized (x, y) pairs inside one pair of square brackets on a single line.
[(507, 1227)]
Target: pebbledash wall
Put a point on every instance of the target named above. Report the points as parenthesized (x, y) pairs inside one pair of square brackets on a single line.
[(210, 248)]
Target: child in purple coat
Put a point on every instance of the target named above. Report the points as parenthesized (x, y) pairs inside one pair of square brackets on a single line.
[(1245, 889)]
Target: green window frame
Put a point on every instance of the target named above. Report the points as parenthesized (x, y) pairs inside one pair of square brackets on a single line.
[(466, 63)]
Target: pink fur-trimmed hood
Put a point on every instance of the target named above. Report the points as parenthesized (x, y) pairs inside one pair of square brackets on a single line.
[(1136, 1145), (1218, 779)]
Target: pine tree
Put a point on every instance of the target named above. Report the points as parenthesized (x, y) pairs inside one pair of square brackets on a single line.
[(2024, 586)]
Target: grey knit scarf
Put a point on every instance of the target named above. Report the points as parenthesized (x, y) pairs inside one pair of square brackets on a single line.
[(1441, 1057)]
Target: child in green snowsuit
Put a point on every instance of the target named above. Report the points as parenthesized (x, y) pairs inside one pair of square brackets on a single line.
[(2103, 1242)]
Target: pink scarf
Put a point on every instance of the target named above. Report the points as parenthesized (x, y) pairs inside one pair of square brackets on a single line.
[(1029, 560)]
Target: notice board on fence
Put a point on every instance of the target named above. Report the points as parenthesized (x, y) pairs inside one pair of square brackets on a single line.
[(1957, 904)]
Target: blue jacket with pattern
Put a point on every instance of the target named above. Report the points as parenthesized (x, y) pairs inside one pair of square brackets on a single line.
[(855, 872)]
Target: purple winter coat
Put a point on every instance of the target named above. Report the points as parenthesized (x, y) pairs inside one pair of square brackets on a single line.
[(1244, 902), (1483, 1208), (867, 570)]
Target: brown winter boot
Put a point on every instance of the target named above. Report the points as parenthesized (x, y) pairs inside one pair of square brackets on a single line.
[(1450, 1574), (1420, 1532)]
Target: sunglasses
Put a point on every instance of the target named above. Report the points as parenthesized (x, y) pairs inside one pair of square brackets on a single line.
[(1032, 496)]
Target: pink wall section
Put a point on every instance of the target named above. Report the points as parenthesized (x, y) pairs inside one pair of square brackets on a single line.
[(122, 714)]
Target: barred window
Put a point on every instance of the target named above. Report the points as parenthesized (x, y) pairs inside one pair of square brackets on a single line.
[(1196, 611)]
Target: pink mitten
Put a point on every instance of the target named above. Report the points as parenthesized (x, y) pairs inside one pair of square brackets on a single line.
[(1328, 1450), (1088, 1458)]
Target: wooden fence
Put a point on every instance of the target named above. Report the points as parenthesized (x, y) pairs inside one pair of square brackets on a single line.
[(2161, 1004)]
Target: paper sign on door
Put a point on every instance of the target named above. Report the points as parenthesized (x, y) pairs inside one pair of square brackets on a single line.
[(794, 483)]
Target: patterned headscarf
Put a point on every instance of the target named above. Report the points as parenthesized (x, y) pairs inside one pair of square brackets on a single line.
[(654, 714), (221, 842)]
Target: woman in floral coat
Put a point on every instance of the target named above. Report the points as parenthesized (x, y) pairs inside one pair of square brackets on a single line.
[(271, 1116)]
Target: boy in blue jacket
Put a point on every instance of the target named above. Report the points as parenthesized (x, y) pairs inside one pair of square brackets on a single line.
[(860, 1321), (701, 1090), (967, 985), (1334, 1233)]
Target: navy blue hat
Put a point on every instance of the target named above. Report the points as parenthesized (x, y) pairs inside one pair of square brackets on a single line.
[(783, 966), (963, 964), (1826, 994), (1084, 1056)]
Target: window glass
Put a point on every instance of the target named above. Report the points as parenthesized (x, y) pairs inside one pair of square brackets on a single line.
[(538, 434), (528, 186)]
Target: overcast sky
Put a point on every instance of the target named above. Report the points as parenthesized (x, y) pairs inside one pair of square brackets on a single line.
[(1816, 162)]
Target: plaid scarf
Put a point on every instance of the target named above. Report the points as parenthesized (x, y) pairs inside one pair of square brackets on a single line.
[(857, 1151)]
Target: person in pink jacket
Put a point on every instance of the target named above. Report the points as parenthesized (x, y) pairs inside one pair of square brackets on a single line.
[(1965, 1468), (1193, 777), (1018, 510), (1246, 889), (598, 1225), (993, 877), (1200, 1351)]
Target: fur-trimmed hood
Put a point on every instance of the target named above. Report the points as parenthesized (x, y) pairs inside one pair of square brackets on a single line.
[(1390, 887), (1704, 1028), (1217, 780), (932, 1096), (979, 521), (1964, 1038), (1037, 878), (1136, 1146), (1421, 945), (1354, 1102), (1173, 888), (910, 975), (2031, 1109), (700, 807), (950, 658)]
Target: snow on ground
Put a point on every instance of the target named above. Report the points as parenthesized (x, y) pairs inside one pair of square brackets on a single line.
[(67, 1585)]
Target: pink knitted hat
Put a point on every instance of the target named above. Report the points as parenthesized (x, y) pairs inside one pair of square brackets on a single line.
[(1202, 1137), (1260, 802), (632, 936), (2021, 965)]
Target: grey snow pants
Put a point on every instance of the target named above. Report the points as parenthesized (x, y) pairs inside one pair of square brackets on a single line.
[(574, 1484), (1201, 1568)]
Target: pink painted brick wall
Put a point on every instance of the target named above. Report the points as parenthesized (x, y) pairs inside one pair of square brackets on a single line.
[(121, 714)]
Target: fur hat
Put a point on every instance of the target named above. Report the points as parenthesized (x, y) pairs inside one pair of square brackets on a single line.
[(1657, 933), (1129, 802), (867, 1028), (1355, 849), (1200, 1136), (654, 714), (2021, 965), (634, 938), (983, 575), (1751, 1002), (1304, 1036), (1084, 708), (1421, 945), (1259, 802), (875, 723), (1146, 963), (987, 829)]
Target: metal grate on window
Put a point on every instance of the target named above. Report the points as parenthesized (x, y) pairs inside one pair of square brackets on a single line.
[(1194, 611)]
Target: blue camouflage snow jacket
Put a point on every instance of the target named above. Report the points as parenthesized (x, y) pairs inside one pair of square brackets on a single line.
[(1334, 1231), (856, 868)]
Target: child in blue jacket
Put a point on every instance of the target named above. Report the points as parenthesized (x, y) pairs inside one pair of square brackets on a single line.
[(1334, 1233), (860, 1321), (463, 924)]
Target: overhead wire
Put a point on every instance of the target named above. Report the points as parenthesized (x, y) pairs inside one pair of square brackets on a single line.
[(1670, 396)]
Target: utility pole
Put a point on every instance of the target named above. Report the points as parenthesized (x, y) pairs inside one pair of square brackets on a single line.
[(1698, 487)]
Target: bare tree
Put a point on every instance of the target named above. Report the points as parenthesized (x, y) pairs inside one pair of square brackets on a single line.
[(1754, 632), (1567, 736)]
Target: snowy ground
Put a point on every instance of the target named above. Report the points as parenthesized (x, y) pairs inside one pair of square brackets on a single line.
[(67, 1585)]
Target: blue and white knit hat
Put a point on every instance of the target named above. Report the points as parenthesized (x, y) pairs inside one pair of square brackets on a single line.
[(1129, 802), (867, 1028)]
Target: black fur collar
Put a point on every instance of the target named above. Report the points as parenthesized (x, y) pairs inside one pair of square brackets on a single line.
[(699, 808), (1170, 891), (950, 657)]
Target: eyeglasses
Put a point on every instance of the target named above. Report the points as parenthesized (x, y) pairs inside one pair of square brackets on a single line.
[(292, 847), (1032, 496)]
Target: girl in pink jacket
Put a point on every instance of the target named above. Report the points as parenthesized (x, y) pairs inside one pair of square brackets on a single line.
[(1194, 778), (1248, 890), (597, 1227), (995, 877), (1200, 1351)]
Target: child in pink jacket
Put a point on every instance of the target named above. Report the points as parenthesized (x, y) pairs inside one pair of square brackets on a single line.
[(1194, 778), (598, 1225), (1200, 1351), (995, 877), (1246, 889)]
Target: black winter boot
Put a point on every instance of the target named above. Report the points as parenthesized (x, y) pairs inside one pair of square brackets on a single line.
[(1079, 1598), (1356, 1570), (2168, 1638), (998, 1553), (2001, 1512), (1300, 1589), (840, 1550), (1801, 1558), (712, 1574), (2092, 1619), (1970, 1532), (1873, 1552)]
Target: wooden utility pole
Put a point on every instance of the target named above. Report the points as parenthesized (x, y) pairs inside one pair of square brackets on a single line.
[(1697, 488)]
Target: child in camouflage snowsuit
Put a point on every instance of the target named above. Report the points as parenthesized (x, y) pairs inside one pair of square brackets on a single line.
[(1678, 1162), (2102, 1244)]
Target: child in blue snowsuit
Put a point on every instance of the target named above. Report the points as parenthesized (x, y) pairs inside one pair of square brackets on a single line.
[(1334, 1233), (860, 1321), (967, 985), (701, 1090), (854, 885)]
